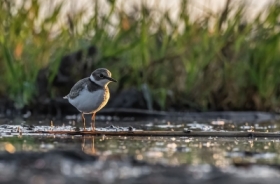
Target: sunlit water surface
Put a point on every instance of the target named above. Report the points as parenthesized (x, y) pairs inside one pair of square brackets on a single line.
[(216, 151)]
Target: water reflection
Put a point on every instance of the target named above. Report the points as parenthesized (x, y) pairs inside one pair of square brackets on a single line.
[(88, 145), (165, 150)]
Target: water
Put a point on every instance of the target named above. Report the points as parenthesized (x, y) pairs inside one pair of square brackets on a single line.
[(165, 150), (199, 153), (220, 152)]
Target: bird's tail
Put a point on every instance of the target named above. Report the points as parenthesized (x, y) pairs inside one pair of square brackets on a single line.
[(65, 97)]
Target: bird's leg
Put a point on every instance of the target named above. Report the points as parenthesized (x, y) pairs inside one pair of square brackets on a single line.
[(93, 122), (84, 121)]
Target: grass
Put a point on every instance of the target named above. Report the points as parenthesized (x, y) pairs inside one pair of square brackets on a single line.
[(221, 61)]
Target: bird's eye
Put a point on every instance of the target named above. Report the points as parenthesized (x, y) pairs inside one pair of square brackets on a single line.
[(101, 75)]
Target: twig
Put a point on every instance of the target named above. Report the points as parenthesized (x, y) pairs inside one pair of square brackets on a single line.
[(168, 133)]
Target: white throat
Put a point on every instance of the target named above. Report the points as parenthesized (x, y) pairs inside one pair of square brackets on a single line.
[(92, 78)]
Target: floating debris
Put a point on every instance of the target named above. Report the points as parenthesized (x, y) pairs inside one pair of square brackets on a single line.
[(218, 122)]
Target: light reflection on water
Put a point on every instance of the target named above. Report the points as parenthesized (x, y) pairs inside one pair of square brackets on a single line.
[(215, 125), (165, 150)]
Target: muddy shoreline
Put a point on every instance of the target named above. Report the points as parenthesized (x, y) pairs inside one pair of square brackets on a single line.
[(124, 114)]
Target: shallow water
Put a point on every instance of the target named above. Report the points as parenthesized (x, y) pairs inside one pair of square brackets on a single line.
[(41, 157), (216, 151), (220, 152)]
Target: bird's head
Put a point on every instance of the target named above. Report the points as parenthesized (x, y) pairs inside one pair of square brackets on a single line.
[(101, 76)]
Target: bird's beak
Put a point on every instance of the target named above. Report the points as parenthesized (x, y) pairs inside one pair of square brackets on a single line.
[(110, 79)]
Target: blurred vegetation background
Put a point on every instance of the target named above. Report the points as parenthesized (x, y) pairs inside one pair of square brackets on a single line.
[(219, 61)]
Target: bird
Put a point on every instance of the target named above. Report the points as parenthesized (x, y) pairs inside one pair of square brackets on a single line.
[(91, 94)]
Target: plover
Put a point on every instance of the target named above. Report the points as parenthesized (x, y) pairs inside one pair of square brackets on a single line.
[(91, 94)]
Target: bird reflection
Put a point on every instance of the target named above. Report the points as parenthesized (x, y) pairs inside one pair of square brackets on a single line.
[(88, 145)]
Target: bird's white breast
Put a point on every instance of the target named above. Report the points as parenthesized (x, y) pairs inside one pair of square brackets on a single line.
[(90, 102)]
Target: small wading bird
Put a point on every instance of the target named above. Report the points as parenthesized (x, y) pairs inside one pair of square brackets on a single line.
[(91, 94)]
